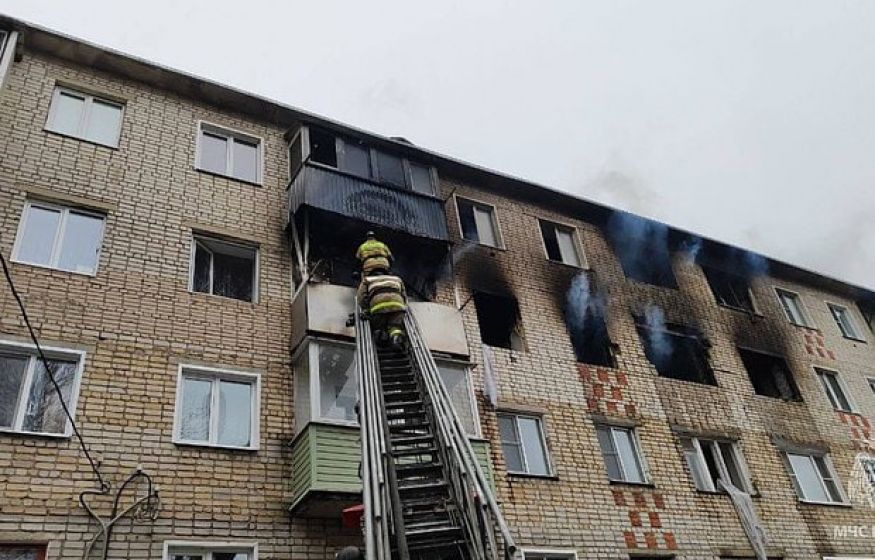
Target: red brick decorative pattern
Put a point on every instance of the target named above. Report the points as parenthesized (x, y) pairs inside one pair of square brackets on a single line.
[(646, 530), (815, 346), (606, 390)]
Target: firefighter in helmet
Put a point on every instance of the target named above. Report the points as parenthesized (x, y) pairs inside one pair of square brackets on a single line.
[(381, 295)]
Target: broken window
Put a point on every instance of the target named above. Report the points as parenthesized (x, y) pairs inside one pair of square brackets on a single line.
[(845, 322), (835, 389), (499, 319), (561, 243), (296, 155), (585, 321), (323, 147), (224, 268), (770, 375), (730, 290), (712, 460), (676, 351), (642, 247), (478, 222)]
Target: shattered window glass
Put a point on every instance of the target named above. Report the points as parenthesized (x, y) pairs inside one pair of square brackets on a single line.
[(770, 375), (730, 290), (43, 412), (224, 269), (675, 351)]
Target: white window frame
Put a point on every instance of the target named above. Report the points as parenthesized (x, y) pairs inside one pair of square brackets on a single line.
[(310, 348), (827, 388), (564, 553), (207, 548), (858, 333), (803, 309), (575, 238), (636, 447), (472, 399), (89, 99), (737, 455), (59, 234), (811, 455), (51, 352), (214, 375), (230, 134), (547, 459), (499, 235), (256, 268)]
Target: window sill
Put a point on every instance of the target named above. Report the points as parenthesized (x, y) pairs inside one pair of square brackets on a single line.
[(780, 399), (81, 139), (749, 312), (485, 246), (805, 327), (631, 483), (722, 493), (229, 177), (216, 446), (223, 298), (22, 433), (845, 505), (529, 476), (853, 339), (56, 269), (579, 267)]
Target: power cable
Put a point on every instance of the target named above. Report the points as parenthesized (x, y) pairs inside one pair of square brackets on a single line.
[(104, 486)]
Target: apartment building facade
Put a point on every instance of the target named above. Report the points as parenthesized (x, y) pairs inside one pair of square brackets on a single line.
[(185, 254)]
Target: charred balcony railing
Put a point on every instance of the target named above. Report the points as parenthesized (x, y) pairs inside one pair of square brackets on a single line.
[(360, 198)]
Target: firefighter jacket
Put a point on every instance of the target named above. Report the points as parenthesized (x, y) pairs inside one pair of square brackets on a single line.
[(373, 255), (382, 294)]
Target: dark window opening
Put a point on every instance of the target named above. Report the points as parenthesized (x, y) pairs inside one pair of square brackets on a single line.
[(769, 375), (323, 147), (224, 269), (466, 218), (642, 247), (391, 169), (585, 321), (677, 352), (730, 290), (868, 312), (296, 155), (499, 319)]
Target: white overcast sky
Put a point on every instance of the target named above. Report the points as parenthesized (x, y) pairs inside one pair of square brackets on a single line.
[(752, 122)]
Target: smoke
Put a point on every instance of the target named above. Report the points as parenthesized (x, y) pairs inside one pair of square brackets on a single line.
[(585, 318), (691, 248), (746, 263), (578, 300), (660, 343), (642, 247)]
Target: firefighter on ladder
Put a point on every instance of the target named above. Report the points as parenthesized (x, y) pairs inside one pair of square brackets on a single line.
[(381, 294)]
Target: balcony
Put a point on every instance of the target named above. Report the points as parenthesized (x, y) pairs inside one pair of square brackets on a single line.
[(330, 190), (325, 469)]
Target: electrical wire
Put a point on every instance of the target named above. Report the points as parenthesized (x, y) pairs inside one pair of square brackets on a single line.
[(104, 486)]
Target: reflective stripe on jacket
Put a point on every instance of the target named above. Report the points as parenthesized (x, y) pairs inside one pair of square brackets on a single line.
[(373, 248), (382, 294)]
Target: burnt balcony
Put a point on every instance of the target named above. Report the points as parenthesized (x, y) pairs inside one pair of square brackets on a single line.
[(367, 200)]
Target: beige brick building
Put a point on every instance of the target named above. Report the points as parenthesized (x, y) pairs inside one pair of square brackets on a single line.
[(184, 253)]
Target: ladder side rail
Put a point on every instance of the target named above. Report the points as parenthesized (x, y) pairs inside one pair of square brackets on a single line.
[(370, 529), (440, 396)]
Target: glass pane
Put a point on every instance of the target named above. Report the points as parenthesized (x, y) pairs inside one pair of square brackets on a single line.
[(194, 411), (485, 228), (567, 248), (338, 383), (612, 463), (43, 412), (807, 478), (203, 261), (38, 238), (708, 451), (455, 379), (67, 113), (214, 153), (828, 480), (421, 177), (104, 123), (81, 243), (391, 169), (301, 370), (295, 156), (530, 435), (733, 469), (230, 556), (512, 457), (12, 370), (626, 450), (245, 160), (356, 159), (700, 475), (235, 413), (233, 275), (507, 429)]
